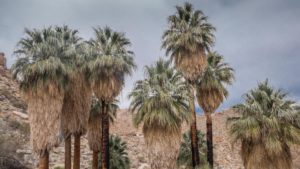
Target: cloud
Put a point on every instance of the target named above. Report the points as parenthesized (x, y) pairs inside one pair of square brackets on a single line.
[(259, 38)]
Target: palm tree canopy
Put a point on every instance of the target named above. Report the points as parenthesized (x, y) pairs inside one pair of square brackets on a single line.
[(45, 56), (211, 89), (186, 39), (266, 127), (160, 101), (110, 62), (188, 29)]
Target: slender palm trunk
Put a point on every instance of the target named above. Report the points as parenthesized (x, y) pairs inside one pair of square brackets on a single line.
[(209, 140), (105, 138), (68, 149), (95, 160), (194, 138), (44, 161), (76, 159)]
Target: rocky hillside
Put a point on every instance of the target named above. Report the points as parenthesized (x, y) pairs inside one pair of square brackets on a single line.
[(14, 135)]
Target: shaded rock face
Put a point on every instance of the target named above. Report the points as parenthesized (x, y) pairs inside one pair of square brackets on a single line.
[(7, 162)]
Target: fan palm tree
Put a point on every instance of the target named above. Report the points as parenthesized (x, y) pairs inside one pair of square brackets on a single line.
[(211, 92), (118, 153), (185, 154), (265, 128), (111, 62), (160, 105), (94, 132), (188, 37), (43, 70), (77, 99)]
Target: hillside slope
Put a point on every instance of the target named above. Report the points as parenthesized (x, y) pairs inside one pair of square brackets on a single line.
[(14, 126)]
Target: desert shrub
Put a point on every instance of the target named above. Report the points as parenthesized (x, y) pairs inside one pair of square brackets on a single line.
[(8, 145), (13, 100), (24, 128), (58, 167)]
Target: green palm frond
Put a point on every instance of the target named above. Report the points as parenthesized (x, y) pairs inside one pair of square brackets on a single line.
[(118, 154), (185, 153), (211, 89), (269, 124), (46, 55), (110, 55), (188, 30), (160, 101), (96, 109)]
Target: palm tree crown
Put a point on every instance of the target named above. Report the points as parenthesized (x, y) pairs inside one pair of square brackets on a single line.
[(211, 89), (160, 104), (160, 101), (111, 60), (45, 55), (188, 36), (265, 128)]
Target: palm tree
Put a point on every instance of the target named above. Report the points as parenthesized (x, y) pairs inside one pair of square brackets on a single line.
[(185, 154), (77, 99), (118, 153), (188, 36), (160, 105), (111, 62), (265, 128), (211, 92), (43, 70), (94, 132)]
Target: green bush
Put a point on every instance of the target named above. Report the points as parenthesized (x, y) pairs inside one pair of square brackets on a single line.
[(184, 159), (118, 154)]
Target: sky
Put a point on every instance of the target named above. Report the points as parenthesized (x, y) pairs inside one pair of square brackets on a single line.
[(259, 38)]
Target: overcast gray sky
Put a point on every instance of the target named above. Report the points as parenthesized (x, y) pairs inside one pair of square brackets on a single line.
[(259, 38)]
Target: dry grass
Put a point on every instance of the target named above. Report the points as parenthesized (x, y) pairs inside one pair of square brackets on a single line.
[(44, 110), (94, 132), (210, 100), (192, 65), (108, 88), (76, 107), (162, 148)]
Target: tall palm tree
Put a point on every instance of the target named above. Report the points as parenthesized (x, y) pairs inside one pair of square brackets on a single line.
[(43, 70), (160, 105), (184, 159), (77, 99), (94, 132), (265, 128), (186, 40), (111, 62), (118, 153), (211, 92)]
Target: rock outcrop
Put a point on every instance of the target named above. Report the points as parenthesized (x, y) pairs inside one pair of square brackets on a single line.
[(2, 64)]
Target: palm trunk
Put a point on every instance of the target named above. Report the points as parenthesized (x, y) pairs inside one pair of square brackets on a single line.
[(95, 159), (68, 149), (194, 138), (209, 140), (44, 161), (105, 138), (76, 158)]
